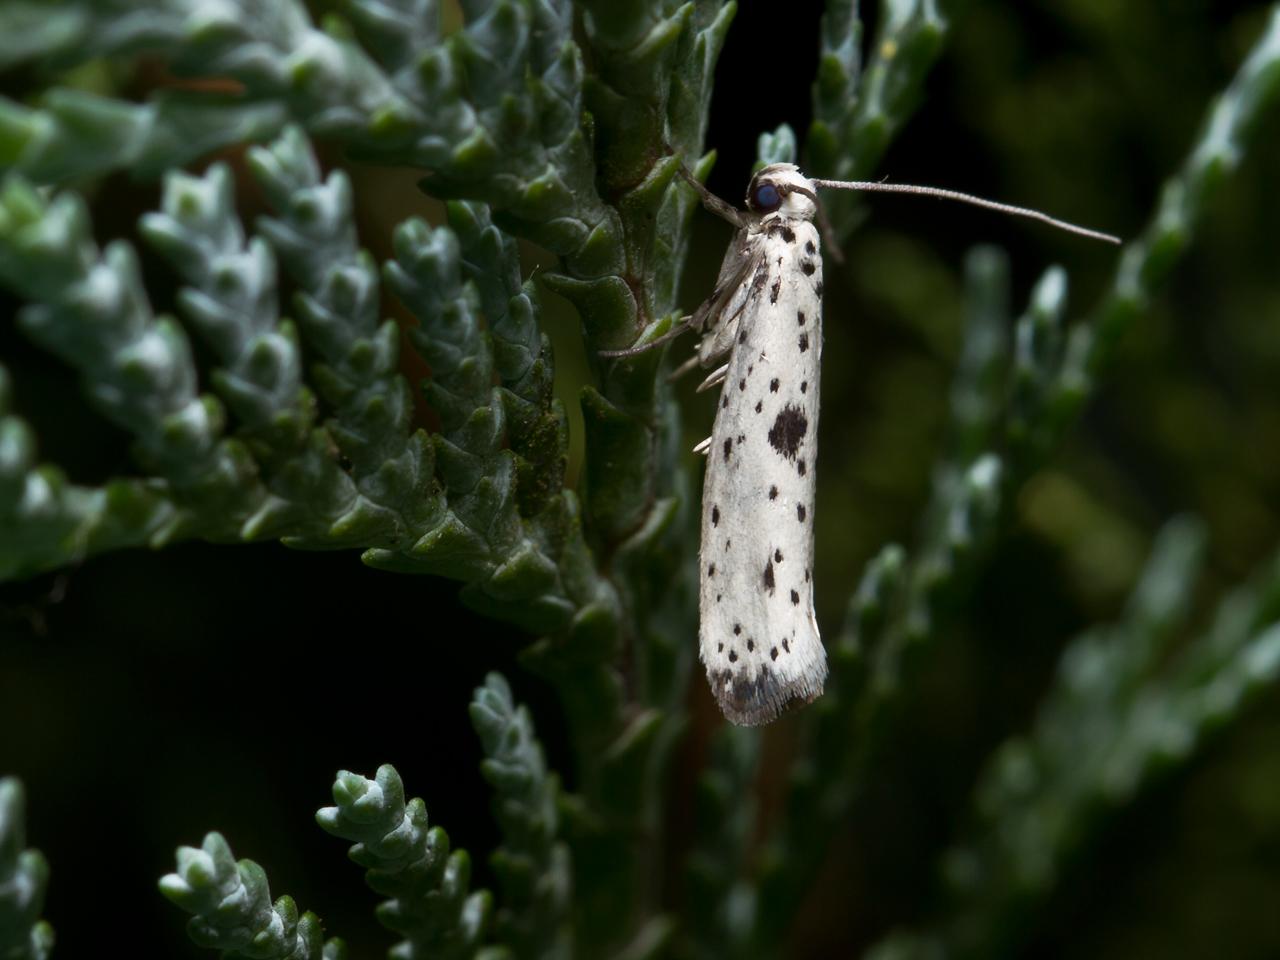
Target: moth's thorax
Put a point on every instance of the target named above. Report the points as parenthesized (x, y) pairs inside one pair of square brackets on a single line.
[(781, 191)]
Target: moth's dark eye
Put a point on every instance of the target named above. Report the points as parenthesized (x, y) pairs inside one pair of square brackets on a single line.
[(766, 197)]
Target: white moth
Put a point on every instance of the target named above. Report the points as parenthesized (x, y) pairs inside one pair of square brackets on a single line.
[(759, 637), (762, 335)]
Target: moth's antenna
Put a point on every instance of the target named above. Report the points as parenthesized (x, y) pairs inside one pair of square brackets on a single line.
[(969, 198)]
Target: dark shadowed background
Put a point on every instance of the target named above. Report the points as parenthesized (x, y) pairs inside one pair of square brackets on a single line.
[(147, 698)]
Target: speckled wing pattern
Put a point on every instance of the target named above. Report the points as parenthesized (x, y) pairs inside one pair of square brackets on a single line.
[(759, 638)]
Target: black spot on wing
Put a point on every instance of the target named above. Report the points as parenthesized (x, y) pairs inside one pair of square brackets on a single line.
[(773, 385), (753, 698), (788, 234), (773, 493), (810, 248), (801, 468), (777, 556), (800, 512), (769, 583), (788, 431), (795, 599), (728, 447), (804, 386), (808, 268), (799, 318), (804, 342), (775, 290), (759, 405), (715, 515)]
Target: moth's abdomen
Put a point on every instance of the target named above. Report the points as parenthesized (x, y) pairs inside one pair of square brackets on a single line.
[(759, 638)]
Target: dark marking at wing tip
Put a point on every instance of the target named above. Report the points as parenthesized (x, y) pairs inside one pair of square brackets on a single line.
[(808, 268), (800, 318), (750, 700), (795, 599), (788, 431), (804, 342), (769, 582), (715, 515), (773, 385), (800, 512), (775, 290)]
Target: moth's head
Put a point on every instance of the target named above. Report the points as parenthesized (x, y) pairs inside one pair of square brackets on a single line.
[(782, 189)]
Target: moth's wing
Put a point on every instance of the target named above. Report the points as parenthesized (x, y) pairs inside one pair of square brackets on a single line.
[(718, 317), (759, 637)]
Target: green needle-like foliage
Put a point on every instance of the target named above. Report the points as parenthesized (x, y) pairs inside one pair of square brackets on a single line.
[(1124, 708), (89, 306), (232, 912), (532, 864), (24, 876), (434, 444), (357, 373), (429, 901), (47, 522), (1043, 384), (720, 905), (231, 300)]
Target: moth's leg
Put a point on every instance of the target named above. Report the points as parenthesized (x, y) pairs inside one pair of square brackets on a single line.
[(714, 377), (829, 237), (680, 371), (677, 328), (720, 208)]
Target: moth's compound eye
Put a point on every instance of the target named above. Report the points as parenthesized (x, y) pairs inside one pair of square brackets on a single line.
[(765, 197)]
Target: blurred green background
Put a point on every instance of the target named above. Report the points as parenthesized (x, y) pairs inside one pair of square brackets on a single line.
[(141, 694)]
